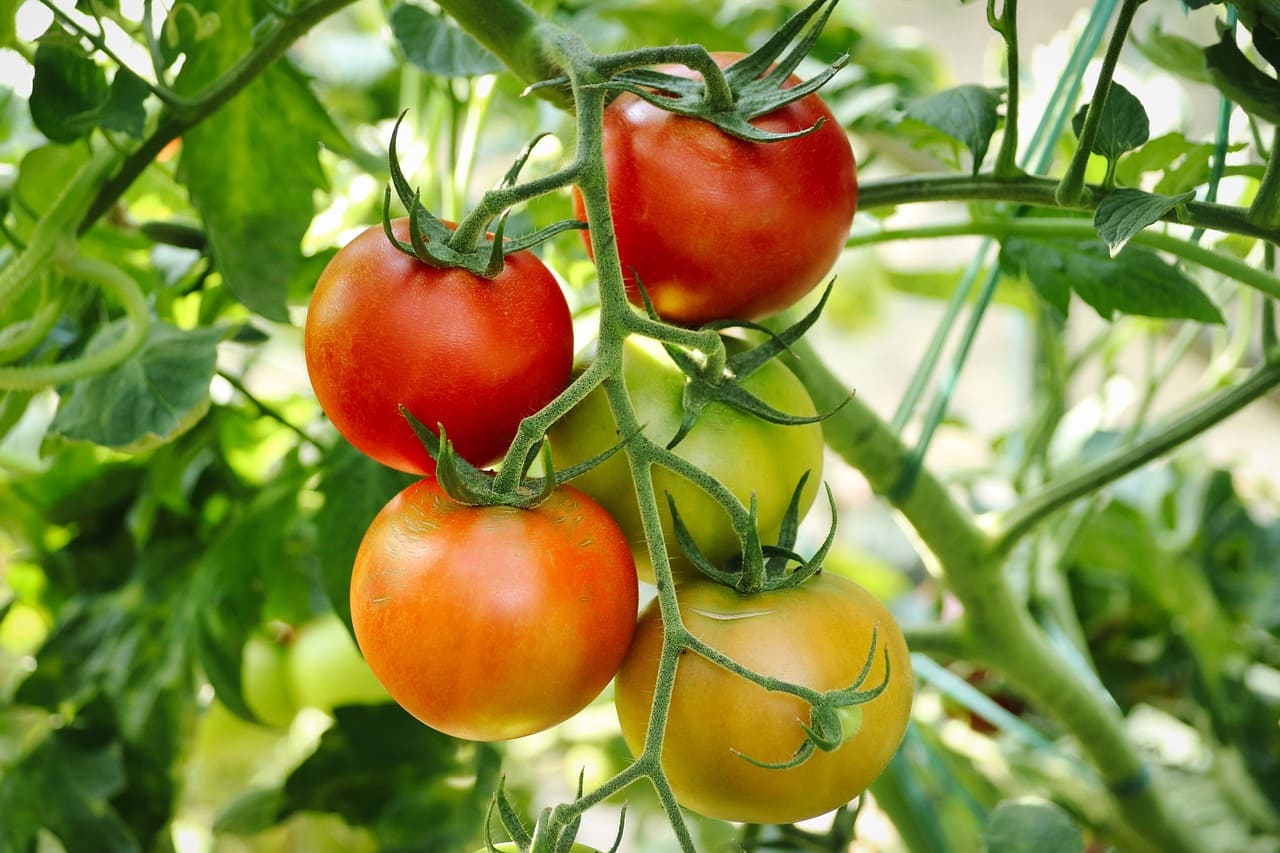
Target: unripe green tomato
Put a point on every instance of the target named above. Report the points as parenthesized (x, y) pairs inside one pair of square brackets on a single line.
[(743, 452), (264, 681), (326, 669)]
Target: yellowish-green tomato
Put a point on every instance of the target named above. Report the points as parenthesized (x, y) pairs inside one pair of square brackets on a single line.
[(265, 683), (745, 453)]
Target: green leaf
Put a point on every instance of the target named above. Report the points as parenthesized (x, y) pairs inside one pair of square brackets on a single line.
[(1124, 125), (69, 88), (1125, 212), (1032, 826), (150, 399), (9, 22), (354, 488), (1174, 54), (253, 166), (968, 113), (1241, 81), (1135, 281), (437, 46), (65, 789), (124, 111)]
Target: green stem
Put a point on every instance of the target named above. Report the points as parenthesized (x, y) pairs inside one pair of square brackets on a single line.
[(137, 324), (515, 34), (1265, 210), (19, 339), (273, 41), (52, 230), (1082, 229), (1115, 465), (1038, 191), (1071, 191), (1007, 25)]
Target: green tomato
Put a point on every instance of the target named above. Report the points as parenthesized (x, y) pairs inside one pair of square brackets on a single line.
[(748, 455), (325, 668), (265, 683)]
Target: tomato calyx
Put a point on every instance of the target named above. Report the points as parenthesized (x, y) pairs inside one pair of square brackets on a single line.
[(760, 567), (468, 485), (549, 835), (437, 243), (835, 716), (713, 381), (748, 88)]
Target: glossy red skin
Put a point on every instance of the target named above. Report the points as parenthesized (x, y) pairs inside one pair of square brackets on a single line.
[(493, 623), (472, 353), (717, 227)]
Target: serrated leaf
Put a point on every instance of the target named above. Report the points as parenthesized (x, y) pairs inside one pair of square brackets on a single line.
[(65, 789), (253, 166), (437, 46), (967, 113), (1241, 81), (1174, 54), (1135, 281), (354, 489), (1032, 826), (1123, 127), (150, 399), (68, 90), (1125, 212)]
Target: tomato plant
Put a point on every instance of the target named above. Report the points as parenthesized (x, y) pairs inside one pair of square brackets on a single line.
[(493, 622), (747, 454), (477, 355), (817, 635), (717, 227)]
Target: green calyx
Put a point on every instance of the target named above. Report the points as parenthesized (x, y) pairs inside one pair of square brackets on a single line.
[(836, 717), (713, 382), (746, 89), (467, 484), (549, 835), (466, 247)]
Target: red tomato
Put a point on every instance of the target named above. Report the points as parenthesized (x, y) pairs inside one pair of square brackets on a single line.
[(475, 354), (493, 622), (717, 227)]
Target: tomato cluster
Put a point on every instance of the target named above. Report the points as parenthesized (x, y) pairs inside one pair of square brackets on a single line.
[(489, 621)]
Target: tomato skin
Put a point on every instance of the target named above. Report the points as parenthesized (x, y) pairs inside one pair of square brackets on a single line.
[(742, 451), (817, 635), (493, 623), (477, 355), (717, 227)]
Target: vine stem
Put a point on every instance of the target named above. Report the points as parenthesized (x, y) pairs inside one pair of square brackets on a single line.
[(137, 324), (1071, 190), (1039, 191), (1115, 465), (1080, 229), (1006, 23)]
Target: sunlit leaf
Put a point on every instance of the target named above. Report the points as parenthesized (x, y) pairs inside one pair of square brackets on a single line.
[(151, 398), (968, 113), (1126, 212), (1123, 127), (69, 88)]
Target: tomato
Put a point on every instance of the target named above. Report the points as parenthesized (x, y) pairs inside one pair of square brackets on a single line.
[(716, 227), (816, 635), (325, 669), (493, 623), (264, 681), (474, 354), (743, 452), (512, 847)]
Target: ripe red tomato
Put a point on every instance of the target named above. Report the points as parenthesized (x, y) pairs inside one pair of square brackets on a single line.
[(816, 635), (493, 623), (474, 354), (747, 454), (717, 227)]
